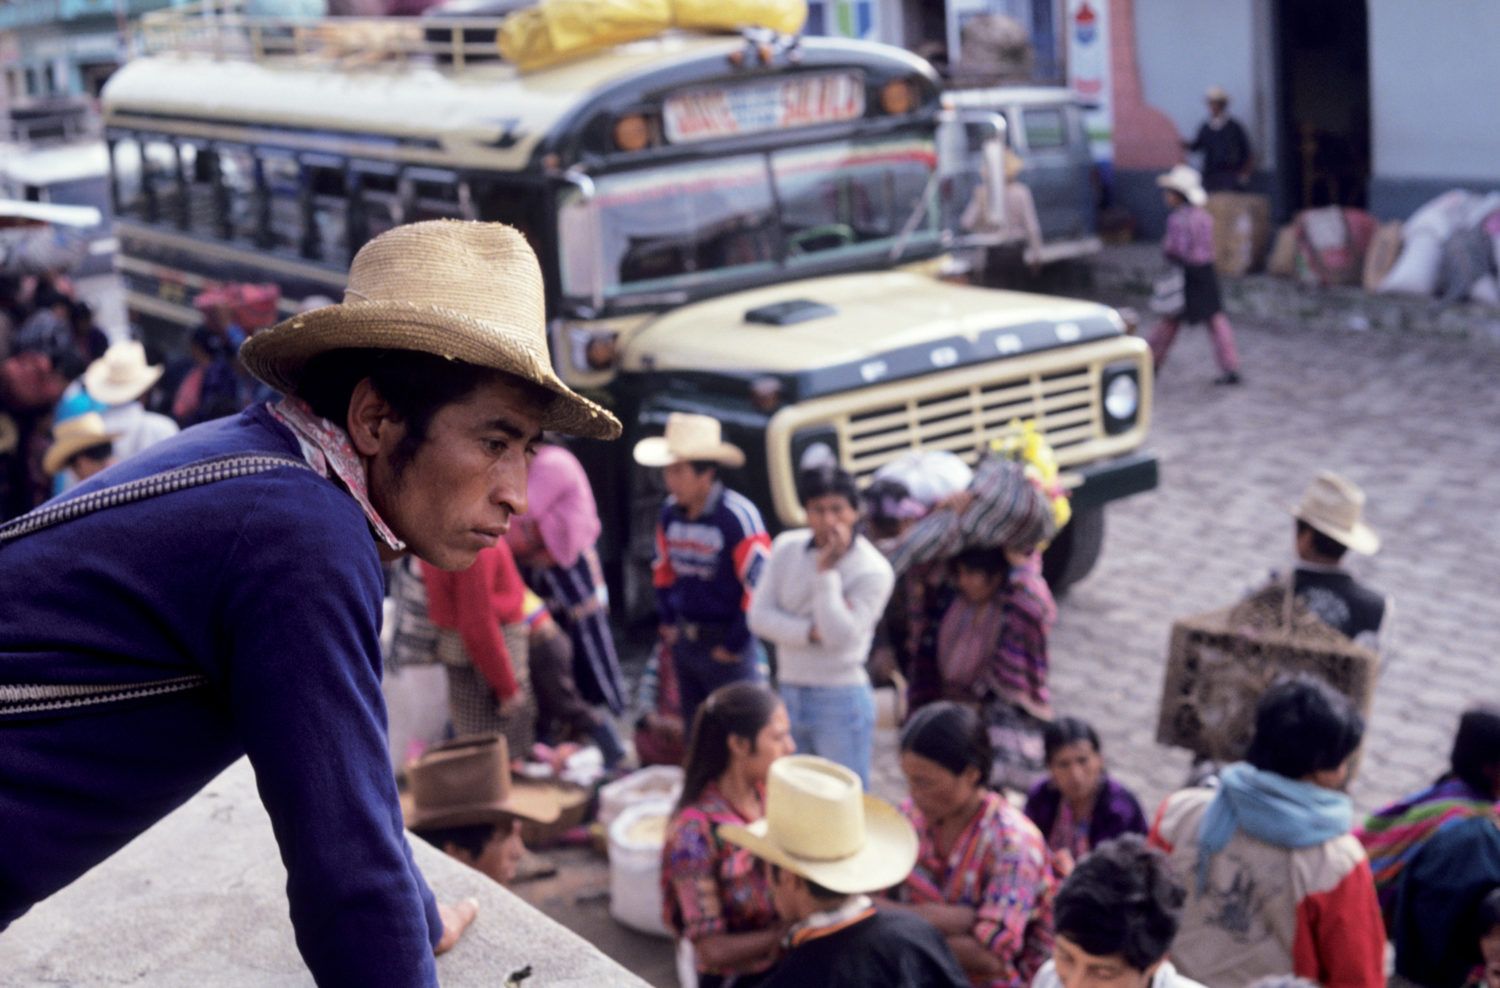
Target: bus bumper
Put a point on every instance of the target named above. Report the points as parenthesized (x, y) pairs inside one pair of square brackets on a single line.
[(1110, 480)]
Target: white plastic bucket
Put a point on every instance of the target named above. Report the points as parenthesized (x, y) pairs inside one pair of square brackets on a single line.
[(654, 782), (635, 841)]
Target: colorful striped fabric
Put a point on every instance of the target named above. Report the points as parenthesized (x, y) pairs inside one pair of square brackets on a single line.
[(1393, 835)]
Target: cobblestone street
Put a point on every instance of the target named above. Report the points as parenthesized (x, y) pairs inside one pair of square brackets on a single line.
[(1412, 419)]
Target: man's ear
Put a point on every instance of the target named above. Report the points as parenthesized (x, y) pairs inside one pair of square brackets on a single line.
[(369, 415)]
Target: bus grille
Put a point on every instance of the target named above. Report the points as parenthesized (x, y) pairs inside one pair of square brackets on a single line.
[(1064, 406)]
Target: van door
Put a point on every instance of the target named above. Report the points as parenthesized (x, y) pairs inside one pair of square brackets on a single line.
[(1051, 141)]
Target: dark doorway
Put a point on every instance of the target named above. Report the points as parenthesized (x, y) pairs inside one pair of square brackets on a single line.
[(1323, 117)]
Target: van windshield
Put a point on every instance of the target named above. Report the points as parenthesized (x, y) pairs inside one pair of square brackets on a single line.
[(686, 226)]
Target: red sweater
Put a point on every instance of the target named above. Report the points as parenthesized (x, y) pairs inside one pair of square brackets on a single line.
[(476, 602)]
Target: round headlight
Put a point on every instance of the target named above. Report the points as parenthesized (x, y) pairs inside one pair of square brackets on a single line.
[(1122, 396)]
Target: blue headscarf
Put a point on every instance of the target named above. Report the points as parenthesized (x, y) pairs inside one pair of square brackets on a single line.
[(1272, 808)]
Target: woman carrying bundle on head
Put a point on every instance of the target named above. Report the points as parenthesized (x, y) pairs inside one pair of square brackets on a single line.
[(715, 895)]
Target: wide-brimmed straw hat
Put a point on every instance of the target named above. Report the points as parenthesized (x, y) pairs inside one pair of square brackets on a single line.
[(121, 375), (1184, 180), (467, 781), (72, 436), (819, 824), (1335, 506), (688, 438), (461, 290), (1216, 94)]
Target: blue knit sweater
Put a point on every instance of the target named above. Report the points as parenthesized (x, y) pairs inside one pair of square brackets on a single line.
[(270, 585)]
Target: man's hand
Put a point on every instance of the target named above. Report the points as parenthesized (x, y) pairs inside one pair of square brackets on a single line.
[(456, 919), (840, 537), (667, 633), (724, 655)]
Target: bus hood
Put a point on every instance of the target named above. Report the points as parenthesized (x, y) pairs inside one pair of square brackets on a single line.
[(882, 326)]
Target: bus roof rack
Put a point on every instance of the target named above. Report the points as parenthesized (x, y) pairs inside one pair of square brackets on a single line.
[(221, 28)]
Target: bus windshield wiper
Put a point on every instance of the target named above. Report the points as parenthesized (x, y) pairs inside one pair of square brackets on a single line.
[(910, 226)]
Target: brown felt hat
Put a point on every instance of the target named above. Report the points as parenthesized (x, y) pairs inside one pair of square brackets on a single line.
[(467, 781), (461, 290)]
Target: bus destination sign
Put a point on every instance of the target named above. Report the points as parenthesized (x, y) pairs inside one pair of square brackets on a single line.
[(793, 101)]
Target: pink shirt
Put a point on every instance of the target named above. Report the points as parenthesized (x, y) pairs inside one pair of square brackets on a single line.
[(561, 516), (1190, 236)]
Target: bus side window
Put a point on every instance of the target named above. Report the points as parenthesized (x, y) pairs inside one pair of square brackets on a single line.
[(241, 194), (161, 182), (285, 203), (379, 206), (328, 230), (200, 170), (434, 198), (125, 158)]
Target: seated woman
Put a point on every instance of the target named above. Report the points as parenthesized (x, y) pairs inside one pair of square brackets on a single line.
[(983, 875), (714, 894), (992, 651), (1078, 806)]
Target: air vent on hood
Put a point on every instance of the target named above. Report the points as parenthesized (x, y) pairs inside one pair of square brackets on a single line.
[(787, 313)]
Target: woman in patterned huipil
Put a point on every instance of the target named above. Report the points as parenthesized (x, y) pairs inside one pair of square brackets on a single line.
[(983, 875), (714, 894)]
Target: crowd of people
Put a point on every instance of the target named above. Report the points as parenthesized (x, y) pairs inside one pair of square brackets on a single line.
[(390, 474)]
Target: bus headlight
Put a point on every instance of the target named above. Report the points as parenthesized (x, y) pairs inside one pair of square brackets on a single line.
[(1122, 398), (592, 348)]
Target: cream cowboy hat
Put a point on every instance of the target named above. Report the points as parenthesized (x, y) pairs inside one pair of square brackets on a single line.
[(1335, 506), (819, 824), (461, 290), (1186, 181), (72, 436), (121, 375), (467, 781), (688, 437), (1216, 94)]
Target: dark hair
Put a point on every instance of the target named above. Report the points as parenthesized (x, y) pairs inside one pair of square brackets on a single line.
[(1303, 726), (1476, 749), (882, 506), (470, 837), (700, 467), (417, 386), (825, 480), (1065, 731), (953, 736), (989, 560), (819, 892), (98, 451), (1487, 916), (738, 710), (1121, 899), (1323, 545)]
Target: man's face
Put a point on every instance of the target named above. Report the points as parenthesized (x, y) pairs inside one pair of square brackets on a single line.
[(687, 485), (1217, 106), (829, 513), (1077, 968), (784, 893), (457, 493)]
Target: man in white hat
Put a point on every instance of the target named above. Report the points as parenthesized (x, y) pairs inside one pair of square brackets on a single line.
[(826, 846), (81, 446), (1330, 522), (1228, 158), (710, 548), (117, 381), (219, 595)]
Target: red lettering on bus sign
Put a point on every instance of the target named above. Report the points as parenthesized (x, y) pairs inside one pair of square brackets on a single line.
[(797, 101)]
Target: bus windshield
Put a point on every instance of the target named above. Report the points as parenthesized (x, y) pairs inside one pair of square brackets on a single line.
[(689, 226)]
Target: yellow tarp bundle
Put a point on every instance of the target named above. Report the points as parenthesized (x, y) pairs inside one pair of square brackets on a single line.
[(556, 30)]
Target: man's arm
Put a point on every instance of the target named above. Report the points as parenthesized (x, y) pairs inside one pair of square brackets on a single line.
[(842, 613), (299, 607), (663, 577), (749, 558), (767, 618)]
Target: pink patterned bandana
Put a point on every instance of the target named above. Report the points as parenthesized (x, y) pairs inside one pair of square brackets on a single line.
[(327, 449)]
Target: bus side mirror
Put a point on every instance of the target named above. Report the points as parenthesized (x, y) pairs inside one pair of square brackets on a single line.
[(992, 173)]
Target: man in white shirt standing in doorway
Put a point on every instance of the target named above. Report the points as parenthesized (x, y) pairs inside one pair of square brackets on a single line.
[(818, 601)]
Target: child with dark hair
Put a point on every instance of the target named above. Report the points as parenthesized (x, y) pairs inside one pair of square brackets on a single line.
[(1275, 880), (1115, 919), (983, 875), (1078, 806)]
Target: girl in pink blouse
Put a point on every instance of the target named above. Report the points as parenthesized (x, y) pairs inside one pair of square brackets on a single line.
[(715, 894)]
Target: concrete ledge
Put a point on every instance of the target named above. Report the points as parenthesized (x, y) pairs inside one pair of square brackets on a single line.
[(199, 899), (1122, 275)]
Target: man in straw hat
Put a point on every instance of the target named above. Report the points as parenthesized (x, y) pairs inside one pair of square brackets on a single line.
[(826, 846), (1228, 158), (463, 801), (1330, 522), (81, 445), (117, 381), (710, 547), (229, 604)]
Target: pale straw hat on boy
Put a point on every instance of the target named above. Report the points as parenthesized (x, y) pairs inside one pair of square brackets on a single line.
[(467, 781), (121, 375), (819, 824), (72, 436), (688, 438), (1186, 182), (461, 290), (1335, 506)]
